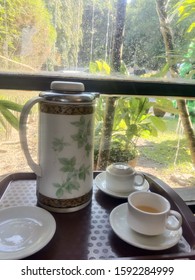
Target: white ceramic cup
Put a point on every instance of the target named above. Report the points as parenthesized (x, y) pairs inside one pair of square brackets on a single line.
[(149, 213), (122, 178)]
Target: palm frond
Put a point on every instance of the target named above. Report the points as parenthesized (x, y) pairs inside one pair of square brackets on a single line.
[(6, 107)]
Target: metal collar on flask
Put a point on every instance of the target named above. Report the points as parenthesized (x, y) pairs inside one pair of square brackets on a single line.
[(68, 92)]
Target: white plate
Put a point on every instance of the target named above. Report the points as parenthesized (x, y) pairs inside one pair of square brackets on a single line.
[(100, 181), (121, 226), (24, 230)]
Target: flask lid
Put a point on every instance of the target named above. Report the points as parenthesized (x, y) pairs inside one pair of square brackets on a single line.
[(67, 86), (68, 92)]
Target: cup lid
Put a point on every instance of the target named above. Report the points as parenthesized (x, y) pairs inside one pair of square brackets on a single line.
[(120, 168)]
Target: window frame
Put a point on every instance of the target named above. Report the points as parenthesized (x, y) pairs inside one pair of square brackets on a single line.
[(104, 85)]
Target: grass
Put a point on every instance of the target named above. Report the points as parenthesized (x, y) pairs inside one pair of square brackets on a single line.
[(170, 149)]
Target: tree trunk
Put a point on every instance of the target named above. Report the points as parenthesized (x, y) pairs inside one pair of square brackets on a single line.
[(110, 101), (107, 33), (188, 128), (161, 6), (166, 33), (104, 149), (119, 35)]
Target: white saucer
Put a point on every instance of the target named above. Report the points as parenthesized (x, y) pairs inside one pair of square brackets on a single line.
[(24, 230), (120, 225), (100, 181)]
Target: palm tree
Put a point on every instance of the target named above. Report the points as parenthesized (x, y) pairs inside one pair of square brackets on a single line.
[(161, 6)]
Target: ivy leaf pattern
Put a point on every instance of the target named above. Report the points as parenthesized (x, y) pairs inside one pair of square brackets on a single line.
[(68, 164), (72, 185), (59, 192), (80, 123), (60, 189), (74, 174), (58, 144), (84, 131), (89, 127), (66, 186), (88, 148), (80, 138), (83, 172)]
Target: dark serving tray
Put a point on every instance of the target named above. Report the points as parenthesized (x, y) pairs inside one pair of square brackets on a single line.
[(87, 234)]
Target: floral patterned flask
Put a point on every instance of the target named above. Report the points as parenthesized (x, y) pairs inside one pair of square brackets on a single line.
[(65, 168)]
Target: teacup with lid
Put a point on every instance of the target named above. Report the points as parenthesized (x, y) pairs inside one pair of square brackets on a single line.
[(120, 177)]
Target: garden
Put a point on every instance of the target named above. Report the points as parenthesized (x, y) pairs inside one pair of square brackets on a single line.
[(152, 144)]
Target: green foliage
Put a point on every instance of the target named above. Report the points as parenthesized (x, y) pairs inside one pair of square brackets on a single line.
[(99, 66), (98, 22), (143, 43), (133, 120), (26, 34), (186, 69), (186, 11), (6, 108), (165, 105), (123, 68), (68, 33), (67, 19)]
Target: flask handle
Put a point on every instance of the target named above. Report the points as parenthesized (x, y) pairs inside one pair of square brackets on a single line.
[(23, 134)]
